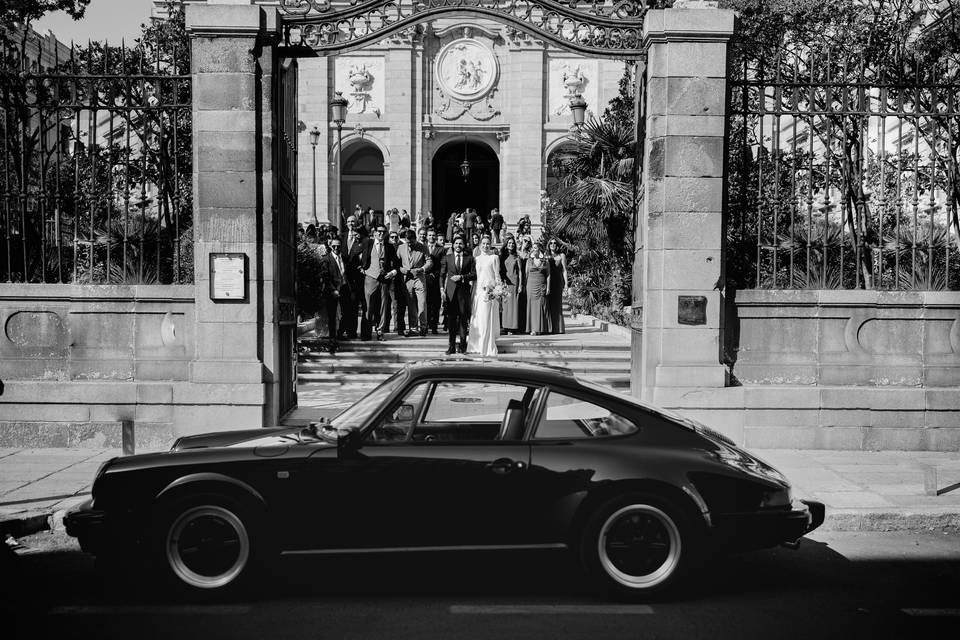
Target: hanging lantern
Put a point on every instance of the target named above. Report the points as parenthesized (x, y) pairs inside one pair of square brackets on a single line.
[(465, 165)]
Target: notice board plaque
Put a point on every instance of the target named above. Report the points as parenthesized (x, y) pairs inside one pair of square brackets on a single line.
[(692, 310), (228, 277)]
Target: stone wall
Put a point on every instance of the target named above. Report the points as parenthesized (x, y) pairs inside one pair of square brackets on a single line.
[(837, 370)]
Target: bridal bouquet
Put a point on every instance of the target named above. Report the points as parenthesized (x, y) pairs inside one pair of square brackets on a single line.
[(496, 291)]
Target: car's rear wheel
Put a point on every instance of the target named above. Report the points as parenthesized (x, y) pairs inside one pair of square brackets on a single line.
[(207, 545), (639, 546)]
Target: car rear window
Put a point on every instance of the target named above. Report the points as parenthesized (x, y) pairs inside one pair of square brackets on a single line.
[(567, 417)]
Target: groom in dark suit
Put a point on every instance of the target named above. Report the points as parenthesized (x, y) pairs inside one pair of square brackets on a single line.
[(457, 272)]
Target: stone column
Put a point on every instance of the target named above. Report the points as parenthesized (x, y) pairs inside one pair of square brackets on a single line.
[(683, 198), (233, 190), (521, 154)]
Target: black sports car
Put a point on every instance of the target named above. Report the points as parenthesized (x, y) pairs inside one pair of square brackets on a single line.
[(449, 455)]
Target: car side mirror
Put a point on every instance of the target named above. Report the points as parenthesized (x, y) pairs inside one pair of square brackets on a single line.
[(348, 443), (403, 414)]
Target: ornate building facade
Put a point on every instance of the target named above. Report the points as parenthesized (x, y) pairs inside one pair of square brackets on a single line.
[(423, 101)]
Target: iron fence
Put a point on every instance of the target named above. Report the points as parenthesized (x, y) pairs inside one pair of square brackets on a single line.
[(841, 176), (95, 158)]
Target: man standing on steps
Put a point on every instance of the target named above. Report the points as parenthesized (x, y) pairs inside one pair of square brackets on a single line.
[(469, 226), (437, 250), (380, 266), (415, 261), (457, 272), (352, 244)]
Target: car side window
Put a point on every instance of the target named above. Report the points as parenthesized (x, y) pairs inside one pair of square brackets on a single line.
[(466, 410), (568, 417), (398, 423)]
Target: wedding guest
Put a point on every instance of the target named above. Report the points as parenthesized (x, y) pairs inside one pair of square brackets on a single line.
[(434, 296), (496, 224), (525, 246), (558, 285), (380, 265), (476, 244), (538, 288), (331, 280), (398, 292), (415, 261), (510, 274)]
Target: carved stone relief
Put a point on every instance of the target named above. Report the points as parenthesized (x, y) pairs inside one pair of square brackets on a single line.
[(361, 80), (466, 72)]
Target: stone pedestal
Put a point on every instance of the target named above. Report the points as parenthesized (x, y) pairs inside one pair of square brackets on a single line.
[(683, 198)]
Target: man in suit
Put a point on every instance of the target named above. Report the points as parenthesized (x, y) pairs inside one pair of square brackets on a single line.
[(351, 244), (415, 262), (397, 292), (451, 226), (457, 272), (331, 282), (380, 266), (437, 251), (469, 225), (345, 297)]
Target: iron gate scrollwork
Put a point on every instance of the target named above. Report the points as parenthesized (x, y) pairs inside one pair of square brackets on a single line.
[(597, 27)]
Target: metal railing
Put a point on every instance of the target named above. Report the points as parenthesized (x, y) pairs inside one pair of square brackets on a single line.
[(95, 159), (843, 177)]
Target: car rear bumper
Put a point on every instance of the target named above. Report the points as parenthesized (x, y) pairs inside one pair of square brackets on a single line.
[(760, 529)]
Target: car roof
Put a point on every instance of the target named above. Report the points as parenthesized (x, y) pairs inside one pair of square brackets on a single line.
[(515, 371)]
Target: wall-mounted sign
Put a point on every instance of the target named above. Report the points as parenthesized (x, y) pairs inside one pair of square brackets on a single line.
[(228, 277), (692, 310)]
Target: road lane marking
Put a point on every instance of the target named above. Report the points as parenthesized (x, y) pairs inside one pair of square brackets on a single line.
[(932, 612), (140, 610), (552, 609)]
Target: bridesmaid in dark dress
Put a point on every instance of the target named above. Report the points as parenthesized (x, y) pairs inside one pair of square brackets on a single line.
[(510, 274), (558, 286), (538, 288), (523, 252)]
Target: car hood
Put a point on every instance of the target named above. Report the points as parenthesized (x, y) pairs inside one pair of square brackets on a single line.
[(262, 437)]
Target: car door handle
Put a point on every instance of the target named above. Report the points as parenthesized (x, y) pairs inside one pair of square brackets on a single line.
[(505, 465)]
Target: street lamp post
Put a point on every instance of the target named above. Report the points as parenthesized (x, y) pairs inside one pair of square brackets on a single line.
[(577, 107), (314, 138), (338, 111)]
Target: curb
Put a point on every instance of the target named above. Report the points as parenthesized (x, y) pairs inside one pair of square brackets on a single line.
[(879, 520), (34, 521)]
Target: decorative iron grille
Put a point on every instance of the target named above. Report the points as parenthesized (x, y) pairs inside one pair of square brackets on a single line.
[(611, 28), (842, 177), (95, 147)]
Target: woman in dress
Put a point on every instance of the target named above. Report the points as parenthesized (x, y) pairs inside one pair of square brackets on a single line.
[(523, 252), (485, 319), (538, 288), (558, 285), (510, 273)]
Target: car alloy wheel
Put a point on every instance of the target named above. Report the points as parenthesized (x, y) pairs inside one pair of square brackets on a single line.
[(207, 546), (639, 546)]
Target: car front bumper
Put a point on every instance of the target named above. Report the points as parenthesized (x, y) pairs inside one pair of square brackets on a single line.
[(761, 529)]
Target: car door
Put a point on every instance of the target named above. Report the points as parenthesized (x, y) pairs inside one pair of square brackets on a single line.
[(434, 471)]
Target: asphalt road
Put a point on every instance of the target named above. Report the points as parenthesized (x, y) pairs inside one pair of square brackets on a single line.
[(837, 585)]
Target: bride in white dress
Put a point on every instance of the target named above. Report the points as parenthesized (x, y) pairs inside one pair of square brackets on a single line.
[(485, 319)]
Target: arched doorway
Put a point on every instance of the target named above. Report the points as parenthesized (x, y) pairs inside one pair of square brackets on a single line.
[(481, 189), (362, 178)]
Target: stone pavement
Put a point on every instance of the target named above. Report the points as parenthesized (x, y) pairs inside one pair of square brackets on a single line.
[(863, 491)]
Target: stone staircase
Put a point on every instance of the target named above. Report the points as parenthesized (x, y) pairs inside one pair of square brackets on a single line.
[(328, 383)]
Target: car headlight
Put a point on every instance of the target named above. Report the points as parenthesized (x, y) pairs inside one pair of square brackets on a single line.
[(751, 465)]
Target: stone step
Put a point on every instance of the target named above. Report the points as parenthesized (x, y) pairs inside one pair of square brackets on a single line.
[(505, 344), (307, 384), (309, 370), (346, 357)]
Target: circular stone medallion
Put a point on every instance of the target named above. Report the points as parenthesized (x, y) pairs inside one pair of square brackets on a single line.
[(466, 69)]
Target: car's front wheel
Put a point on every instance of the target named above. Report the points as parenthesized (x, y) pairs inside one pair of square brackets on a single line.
[(207, 545), (639, 546)]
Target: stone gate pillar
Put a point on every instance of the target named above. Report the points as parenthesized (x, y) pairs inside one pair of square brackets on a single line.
[(232, 209), (682, 234)]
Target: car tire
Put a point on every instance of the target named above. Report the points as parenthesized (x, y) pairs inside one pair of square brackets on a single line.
[(207, 546), (639, 547)]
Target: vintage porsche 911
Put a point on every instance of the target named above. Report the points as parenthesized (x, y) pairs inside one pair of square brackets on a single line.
[(449, 455)]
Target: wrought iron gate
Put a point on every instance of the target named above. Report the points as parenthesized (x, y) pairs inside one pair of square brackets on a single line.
[(285, 231)]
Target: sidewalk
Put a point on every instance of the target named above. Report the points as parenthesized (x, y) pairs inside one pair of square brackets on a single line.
[(863, 491)]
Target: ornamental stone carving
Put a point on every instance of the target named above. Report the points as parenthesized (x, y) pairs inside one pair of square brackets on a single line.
[(361, 81), (466, 69)]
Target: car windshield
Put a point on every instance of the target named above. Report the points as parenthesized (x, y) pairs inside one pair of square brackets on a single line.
[(358, 413)]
